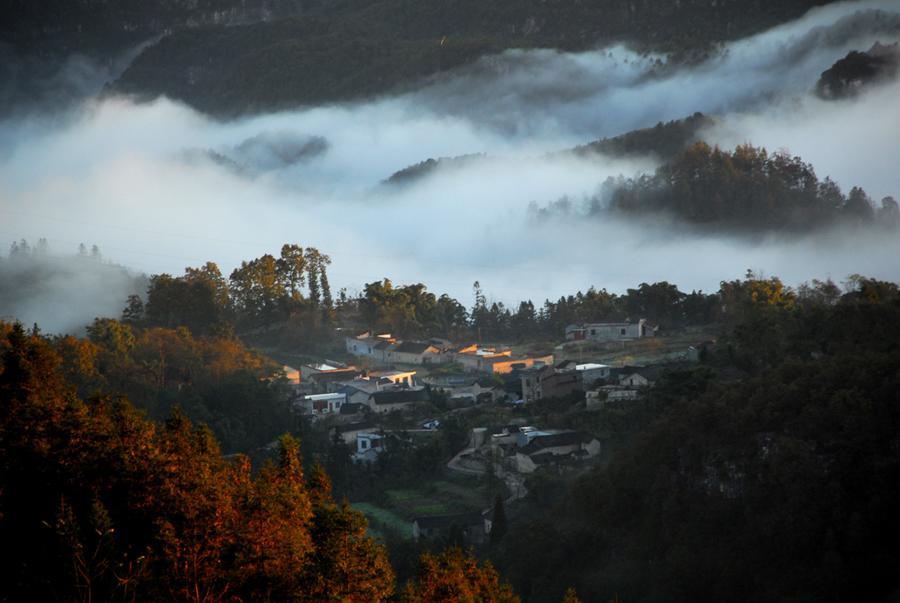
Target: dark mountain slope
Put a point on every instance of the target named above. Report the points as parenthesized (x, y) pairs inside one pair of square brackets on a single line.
[(858, 70), (346, 50)]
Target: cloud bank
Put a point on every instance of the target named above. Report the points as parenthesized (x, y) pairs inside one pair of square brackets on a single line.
[(159, 187)]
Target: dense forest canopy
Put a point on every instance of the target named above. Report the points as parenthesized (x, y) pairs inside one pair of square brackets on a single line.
[(778, 484), (98, 503), (750, 190), (858, 70), (350, 50)]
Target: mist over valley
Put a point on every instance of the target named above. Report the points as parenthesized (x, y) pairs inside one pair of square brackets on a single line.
[(469, 300)]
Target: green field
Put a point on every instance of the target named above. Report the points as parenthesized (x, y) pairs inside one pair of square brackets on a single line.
[(379, 516)]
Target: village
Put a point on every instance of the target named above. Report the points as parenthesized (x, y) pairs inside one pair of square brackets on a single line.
[(388, 392)]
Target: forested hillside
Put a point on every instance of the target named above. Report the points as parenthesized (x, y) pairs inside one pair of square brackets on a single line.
[(98, 503), (859, 70), (767, 469), (775, 482), (346, 50), (748, 190)]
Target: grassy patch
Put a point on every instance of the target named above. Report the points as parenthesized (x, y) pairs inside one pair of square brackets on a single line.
[(397, 496), (435, 508), (384, 517)]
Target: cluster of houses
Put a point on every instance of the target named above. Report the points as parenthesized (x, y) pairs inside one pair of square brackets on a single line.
[(385, 349), (333, 389), (354, 398), (519, 449), (524, 448), (599, 382)]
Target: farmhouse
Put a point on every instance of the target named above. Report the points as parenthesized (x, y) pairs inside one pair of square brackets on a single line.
[(349, 431), (610, 331), (368, 446), (546, 382), (393, 376), (558, 447), (412, 352), (396, 399), (320, 404)]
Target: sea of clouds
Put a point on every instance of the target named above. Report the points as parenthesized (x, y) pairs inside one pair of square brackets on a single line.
[(158, 186)]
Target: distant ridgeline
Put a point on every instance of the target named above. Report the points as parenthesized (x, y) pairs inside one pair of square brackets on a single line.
[(859, 70), (664, 140), (415, 172), (341, 50), (745, 190)]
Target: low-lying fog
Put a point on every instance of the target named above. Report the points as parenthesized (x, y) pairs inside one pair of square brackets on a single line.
[(158, 186)]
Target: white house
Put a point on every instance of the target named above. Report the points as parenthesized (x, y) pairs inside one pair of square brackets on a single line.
[(394, 376), (591, 372), (610, 331), (349, 431), (368, 446), (640, 376), (321, 404), (412, 352), (308, 370), (364, 344), (359, 390)]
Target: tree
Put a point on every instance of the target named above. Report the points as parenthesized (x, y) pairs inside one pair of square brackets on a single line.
[(889, 213), (134, 310), (571, 596), (291, 267), (256, 287), (454, 576), (858, 207)]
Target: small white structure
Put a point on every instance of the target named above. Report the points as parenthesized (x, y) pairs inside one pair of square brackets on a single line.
[(368, 446), (308, 370), (634, 380), (591, 372), (349, 431), (321, 404), (365, 345), (412, 352), (394, 376), (610, 331)]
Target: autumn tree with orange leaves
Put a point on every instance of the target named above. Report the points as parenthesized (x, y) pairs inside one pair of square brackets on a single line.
[(98, 503)]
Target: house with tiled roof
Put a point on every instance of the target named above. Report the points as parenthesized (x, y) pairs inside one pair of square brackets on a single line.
[(554, 448), (386, 401), (412, 352)]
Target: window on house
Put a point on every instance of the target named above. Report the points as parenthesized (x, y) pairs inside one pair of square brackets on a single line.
[(623, 331), (364, 444), (593, 331)]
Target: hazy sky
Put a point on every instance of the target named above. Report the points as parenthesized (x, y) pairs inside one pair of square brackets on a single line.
[(137, 180)]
